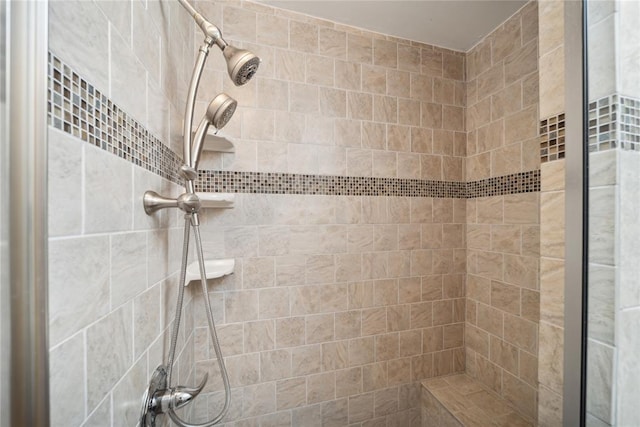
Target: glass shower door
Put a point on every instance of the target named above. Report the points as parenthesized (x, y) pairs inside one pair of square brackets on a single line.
[(613, 279)]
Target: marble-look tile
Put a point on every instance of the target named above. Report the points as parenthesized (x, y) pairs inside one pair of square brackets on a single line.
[(64, 184), (239, 24), (592, 421), (101, 416), (321, 387), (146, 318), (335, 413), (549, 407), (550, 356), (79, 34), (359, 48), (128, 274), (600, 377), (552, 176), (272, 30), (627, 413), (603, 168), (126, 68), (602, 303), (602, 80), (552, 291), (109, 351), (602, 225), (551, 84), (521, 395), (67, 378), (126, 394), (78, 284), (361, 407), (291, 393), (521, 62), (303, 37), (522, 125), (259, 399), (521, 332), (385, 53), (106, 174), (552, 220), (626, 230)]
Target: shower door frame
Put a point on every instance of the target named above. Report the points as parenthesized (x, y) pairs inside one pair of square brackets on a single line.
[(26, 66), (575, 291)]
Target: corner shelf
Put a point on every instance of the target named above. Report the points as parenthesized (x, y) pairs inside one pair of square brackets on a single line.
[(214, 268), (217, 143)]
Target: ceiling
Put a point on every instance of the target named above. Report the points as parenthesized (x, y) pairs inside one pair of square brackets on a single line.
[(454, 24)]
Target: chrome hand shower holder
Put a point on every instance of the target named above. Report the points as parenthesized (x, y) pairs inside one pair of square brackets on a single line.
[(160, 397)]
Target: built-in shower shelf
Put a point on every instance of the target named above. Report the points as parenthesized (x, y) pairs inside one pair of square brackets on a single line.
[(213, 268), (216, 200), (217, 143)]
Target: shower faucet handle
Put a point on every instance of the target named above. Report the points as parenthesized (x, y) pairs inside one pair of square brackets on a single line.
[(182, 396)]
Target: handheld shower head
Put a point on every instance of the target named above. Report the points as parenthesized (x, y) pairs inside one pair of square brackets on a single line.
[(218, 114), (220, 110), (241, 64)]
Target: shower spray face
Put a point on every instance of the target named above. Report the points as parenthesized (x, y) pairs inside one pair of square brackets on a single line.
[(221, 110), (241, 64)]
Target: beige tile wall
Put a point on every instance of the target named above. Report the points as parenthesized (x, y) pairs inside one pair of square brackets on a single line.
[(503, 232), (332, 99), (338, 305), (502, 99)]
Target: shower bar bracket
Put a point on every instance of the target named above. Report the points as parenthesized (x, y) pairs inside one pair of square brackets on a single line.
[(187, 202)]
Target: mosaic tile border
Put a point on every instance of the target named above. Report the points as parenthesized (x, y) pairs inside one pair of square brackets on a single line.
[(552, 138), (285, 183), (288, 183), (614, 123), (522, 182), (79, 109), (603, 120)]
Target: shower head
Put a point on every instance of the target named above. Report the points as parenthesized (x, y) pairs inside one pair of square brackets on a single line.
[(218, 114), (220, 110), (241, 64)]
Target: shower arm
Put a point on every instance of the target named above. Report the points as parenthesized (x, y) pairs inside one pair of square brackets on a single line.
[(209, 30)]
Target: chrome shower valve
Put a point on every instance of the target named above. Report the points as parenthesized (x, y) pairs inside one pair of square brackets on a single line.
[(159, 399)]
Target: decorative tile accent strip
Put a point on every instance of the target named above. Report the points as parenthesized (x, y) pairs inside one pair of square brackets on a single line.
[(614, 122), (286, 183), (79, 109), (523, 182), (552, 134), (629, 126), (603, 123)]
